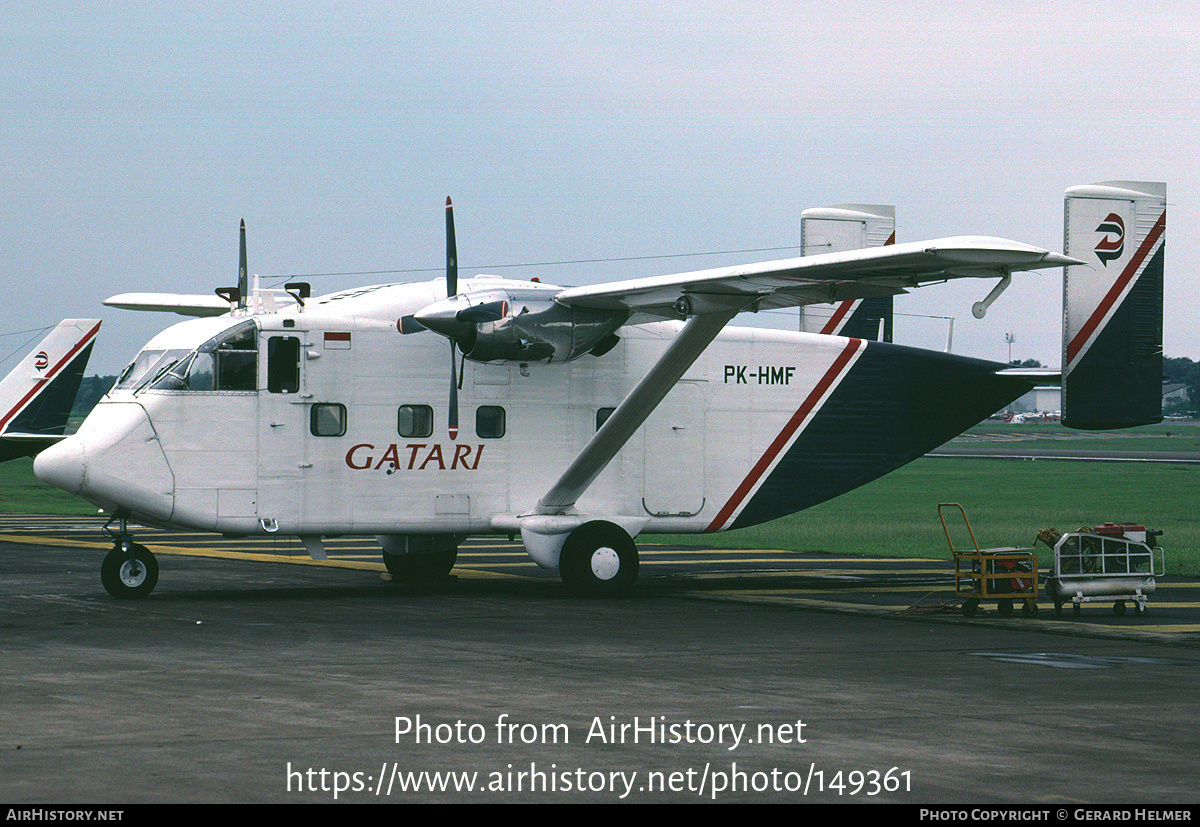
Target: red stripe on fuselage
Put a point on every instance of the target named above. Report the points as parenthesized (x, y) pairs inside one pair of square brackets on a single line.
[(785, 436)]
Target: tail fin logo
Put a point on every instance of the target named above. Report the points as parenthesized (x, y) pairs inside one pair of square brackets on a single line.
[(1112, 246), (42, 360)]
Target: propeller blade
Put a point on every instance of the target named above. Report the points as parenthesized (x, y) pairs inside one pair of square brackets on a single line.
[(452, 290), (451, 252), (243, 275), (453, 422)]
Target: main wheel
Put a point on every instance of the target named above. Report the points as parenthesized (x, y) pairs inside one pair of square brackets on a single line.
[(599, 559), (125, 579), (415, 568)]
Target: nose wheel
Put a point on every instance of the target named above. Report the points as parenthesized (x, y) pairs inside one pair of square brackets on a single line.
[(130, 570)]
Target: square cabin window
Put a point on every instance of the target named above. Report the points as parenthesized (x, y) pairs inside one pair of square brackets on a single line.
[(327, 419), (489, 421), (414, 421)]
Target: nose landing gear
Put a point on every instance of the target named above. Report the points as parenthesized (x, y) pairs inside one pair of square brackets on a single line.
[(130, 570)]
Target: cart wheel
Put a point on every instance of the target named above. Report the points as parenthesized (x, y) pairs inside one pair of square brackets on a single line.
[(1076, 609), (1058, 607), (1004, 607), (1139, 609), (1118, 608), (1029, 609), (970, 608)]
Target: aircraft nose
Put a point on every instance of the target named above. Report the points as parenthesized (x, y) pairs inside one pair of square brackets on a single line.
[(62, 465), (114, 461)]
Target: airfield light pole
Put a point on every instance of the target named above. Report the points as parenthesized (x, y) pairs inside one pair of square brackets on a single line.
[(1008, 337)]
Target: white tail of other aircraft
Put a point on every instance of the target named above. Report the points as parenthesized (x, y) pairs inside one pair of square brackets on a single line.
[(1112, 304), (835, 230), (37, 395)]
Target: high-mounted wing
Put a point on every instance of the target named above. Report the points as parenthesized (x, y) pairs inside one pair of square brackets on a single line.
[(182, 303), (711, 298), (830, 277)]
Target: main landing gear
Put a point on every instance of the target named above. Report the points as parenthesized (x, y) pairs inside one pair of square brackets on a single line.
[(599, 559), (415, 558), (130, 570)]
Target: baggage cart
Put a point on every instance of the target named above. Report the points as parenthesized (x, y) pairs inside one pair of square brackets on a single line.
[(1005, 575), (1117, 562)]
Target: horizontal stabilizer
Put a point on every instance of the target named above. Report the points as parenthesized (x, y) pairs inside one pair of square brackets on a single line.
[(1043, 376)]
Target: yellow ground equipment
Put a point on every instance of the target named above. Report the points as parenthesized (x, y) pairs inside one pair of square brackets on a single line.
[(1001, 574)]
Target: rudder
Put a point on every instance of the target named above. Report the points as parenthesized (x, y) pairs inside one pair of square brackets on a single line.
[(1112, 304), (837, 229)]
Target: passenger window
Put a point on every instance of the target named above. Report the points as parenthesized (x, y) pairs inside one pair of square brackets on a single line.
[(283, 364), (602, 416), (489, 422), (327, 419), (415, 421)]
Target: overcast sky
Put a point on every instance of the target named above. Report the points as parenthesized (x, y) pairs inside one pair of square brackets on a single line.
[(134, 137)]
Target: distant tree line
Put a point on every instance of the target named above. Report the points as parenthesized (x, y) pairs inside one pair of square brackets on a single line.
[(91, 389)]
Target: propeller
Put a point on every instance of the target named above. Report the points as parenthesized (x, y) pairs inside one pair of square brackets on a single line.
[(452, 290)]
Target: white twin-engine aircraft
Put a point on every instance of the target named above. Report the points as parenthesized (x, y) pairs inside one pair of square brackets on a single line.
[(579, 417)]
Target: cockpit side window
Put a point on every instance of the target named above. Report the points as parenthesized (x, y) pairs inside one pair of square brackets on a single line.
[(236, 359)]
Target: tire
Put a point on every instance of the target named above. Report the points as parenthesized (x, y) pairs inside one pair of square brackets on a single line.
[(599, 559), (420, 568), (120, 578), (970, 607)]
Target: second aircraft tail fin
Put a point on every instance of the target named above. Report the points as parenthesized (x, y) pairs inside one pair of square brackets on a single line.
[(1113, 305), (37, 395)]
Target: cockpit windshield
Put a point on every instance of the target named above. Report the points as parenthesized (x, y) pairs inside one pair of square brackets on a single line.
[(145, 366), (226, 362)]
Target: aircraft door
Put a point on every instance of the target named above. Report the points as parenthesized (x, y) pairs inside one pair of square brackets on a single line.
[(675, 454), (282, 422)]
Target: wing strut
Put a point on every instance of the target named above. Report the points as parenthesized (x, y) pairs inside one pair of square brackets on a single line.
[(682, 353)]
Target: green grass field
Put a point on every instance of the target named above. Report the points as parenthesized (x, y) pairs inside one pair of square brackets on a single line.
[(1007, 501)]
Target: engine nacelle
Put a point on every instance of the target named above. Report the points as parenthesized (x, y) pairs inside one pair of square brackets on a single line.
[(518, 326)]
